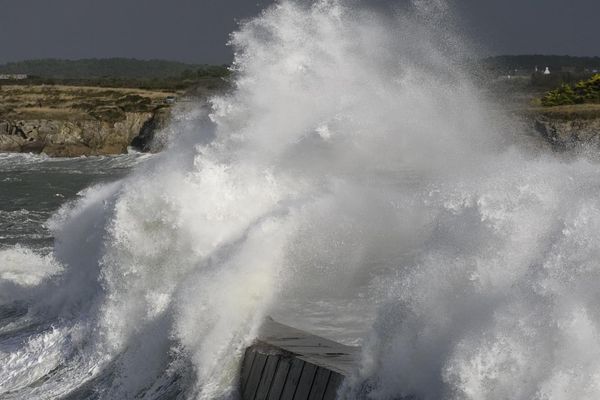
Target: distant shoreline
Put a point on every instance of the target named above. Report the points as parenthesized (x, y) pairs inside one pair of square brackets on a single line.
[(71, 121), (68, 108)]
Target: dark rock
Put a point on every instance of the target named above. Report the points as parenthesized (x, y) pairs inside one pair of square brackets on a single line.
[(73, 138), (5, 128), (32, 147), (144, 141), (72, 150), (565, 134)]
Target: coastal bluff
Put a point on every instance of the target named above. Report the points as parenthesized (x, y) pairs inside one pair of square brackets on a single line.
[(568, 127), (72, 121)]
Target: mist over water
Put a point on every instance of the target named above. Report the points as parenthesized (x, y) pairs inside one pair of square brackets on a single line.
[(353, 183)]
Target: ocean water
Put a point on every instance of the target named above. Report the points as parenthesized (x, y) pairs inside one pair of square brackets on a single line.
[(33, 188), (354, 183)]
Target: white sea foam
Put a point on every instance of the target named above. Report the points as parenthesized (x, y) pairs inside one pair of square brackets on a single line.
[(21, 269)]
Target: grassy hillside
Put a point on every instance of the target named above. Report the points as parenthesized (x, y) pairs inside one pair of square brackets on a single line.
[(120, 68), (117, 72), (76, 103)]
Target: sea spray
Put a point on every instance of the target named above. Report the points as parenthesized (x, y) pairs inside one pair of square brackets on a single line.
[(285, 190), (479, 258), (499, 300), (352, 182)]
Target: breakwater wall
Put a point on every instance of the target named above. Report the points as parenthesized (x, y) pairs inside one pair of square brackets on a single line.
[(289, 364)]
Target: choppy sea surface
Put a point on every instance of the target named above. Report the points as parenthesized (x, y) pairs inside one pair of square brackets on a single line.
[(33, 187), (355, 183)]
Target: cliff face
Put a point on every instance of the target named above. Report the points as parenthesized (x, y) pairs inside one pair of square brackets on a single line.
[(65, 138), (569, 133), (568, 127), (64, 121), (145, 140)]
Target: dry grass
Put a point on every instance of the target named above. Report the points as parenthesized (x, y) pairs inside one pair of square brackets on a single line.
[(62, 114), (578, 111), (75, 102)]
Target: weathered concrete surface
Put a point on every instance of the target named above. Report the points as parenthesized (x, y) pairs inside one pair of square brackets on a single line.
[(289, 364)]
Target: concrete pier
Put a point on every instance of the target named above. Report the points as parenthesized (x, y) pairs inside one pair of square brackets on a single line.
[(289, 364)]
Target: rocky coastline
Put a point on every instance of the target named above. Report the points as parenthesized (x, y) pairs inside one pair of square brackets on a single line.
[(71, 121), (570, 127), (75, 121), (63, 138)]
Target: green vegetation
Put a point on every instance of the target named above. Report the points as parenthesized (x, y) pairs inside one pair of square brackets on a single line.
[(118, 72), (585, 91), (115, 68)]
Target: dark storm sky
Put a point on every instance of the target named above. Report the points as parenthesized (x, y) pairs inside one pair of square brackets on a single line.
[(197, 30)]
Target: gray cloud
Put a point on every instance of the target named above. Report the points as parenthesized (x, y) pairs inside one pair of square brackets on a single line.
[(534, 26), (197, 30)]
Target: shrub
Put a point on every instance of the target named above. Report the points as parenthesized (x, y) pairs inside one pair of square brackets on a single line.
[(587, 91)]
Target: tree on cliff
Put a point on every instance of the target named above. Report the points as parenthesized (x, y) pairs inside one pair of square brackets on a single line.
[(587, 91)]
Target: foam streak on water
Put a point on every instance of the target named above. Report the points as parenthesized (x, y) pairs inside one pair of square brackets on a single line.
[(352, 183)]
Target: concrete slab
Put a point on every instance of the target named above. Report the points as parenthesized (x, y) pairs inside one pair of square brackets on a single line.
[(286, 363)]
